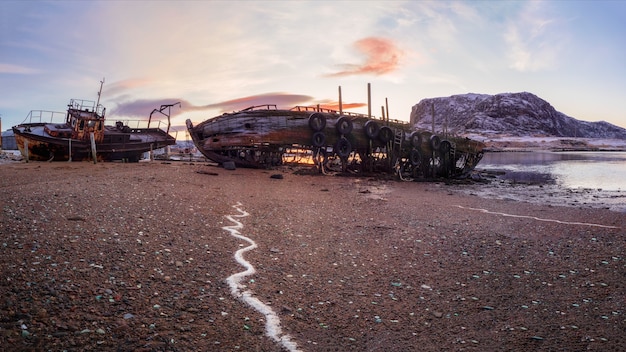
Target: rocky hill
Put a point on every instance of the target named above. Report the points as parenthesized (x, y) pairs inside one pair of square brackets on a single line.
[(506, 114)]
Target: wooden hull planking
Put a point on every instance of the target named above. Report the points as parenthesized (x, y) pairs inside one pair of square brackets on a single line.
[(259, 138)]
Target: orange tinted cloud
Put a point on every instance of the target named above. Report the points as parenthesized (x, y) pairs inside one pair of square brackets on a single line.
[(345, 106), (381, 56)]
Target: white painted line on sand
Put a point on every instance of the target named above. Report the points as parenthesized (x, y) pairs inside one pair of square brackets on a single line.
[(539, 219), (272, 321)]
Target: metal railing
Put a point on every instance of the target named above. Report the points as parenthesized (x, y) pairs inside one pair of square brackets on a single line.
[(87, 105), (143, 124), (45, 116), (345, 113)]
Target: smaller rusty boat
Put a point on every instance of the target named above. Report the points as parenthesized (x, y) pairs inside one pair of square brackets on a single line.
[(265, 136), (83, 135)]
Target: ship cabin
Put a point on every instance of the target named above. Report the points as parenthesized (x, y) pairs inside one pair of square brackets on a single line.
[(83, 118)]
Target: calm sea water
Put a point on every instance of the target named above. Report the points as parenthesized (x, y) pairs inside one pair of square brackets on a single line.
[(580, 179), (572, 170)]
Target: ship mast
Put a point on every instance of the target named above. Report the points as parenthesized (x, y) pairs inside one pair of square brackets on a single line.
[(99, 93)]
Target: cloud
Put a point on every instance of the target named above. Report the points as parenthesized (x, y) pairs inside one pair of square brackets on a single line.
[(279, 99), (143, 107), (334, 105), (381, 56), (535, 39), (16, 69), (122, 86)]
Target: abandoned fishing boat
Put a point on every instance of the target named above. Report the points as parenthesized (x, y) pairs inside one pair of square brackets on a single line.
[(264, 136), (81, 134)]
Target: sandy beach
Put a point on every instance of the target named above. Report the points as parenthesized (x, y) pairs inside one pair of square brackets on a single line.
[(178, 256)]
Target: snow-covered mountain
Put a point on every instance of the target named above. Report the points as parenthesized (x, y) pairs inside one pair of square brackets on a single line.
[(506, 114)]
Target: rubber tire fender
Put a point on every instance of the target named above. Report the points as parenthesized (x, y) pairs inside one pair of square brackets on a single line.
[(415, 138), (445, 146), (343, 148), (435, 142), (385, 134), (344, 125), (319, 139), (415, 157), (371, 129), (317, 121)]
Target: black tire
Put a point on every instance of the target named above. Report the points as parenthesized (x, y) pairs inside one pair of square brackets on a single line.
[(343, 148), (415, 139), (371, 129), (317, 121), (415, 157), (444, 147), (385, 134), (319, 139), (435, 142), (344, 125)]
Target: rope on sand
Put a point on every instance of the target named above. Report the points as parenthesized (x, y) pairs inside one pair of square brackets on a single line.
[(539, 219), (272, 322)]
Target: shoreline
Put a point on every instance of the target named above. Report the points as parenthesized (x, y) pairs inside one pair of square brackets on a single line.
[(487, 183)]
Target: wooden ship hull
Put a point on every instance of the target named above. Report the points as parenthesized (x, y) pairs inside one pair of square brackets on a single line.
[(35, 142), (83, 135), (264, 136)]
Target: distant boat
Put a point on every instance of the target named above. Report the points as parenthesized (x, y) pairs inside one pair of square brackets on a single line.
[(83, 135), (264, 136)]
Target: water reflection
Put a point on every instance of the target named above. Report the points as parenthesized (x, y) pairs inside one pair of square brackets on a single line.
[(594, 170), (578, 179)]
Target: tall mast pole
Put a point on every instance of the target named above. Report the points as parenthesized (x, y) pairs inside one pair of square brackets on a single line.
[(387, 109), (432, 114), (99, 93), (369, 101), (340, 103)]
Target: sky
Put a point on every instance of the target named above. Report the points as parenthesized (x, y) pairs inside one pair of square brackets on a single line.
[(222, 56)]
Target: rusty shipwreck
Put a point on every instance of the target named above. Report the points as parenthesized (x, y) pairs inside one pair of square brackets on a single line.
[(81, 134), (265, 136)]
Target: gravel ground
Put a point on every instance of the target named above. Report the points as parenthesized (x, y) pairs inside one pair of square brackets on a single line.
[(191, 257)]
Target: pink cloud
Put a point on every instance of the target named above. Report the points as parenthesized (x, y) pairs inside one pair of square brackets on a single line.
[(119, 87), (143, 107), (281, 100), (381, 56)]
